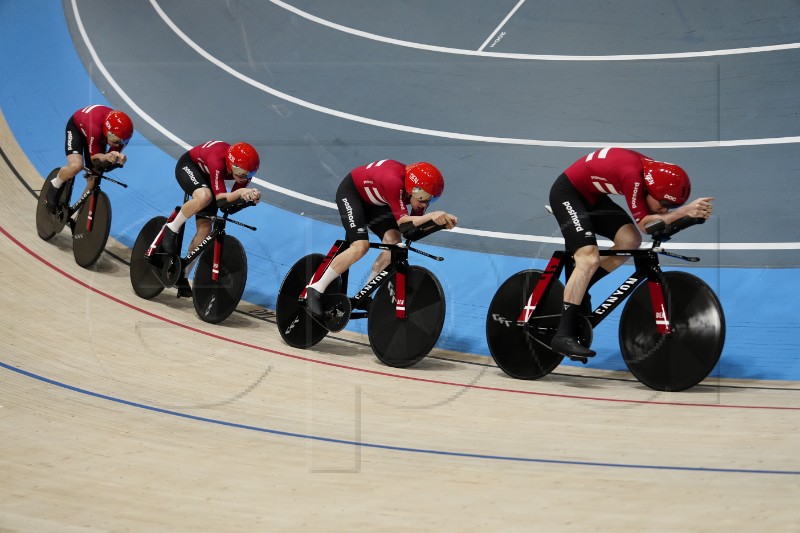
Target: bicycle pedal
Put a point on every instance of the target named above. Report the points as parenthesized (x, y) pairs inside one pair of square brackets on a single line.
[(184, 292), (583, 360)]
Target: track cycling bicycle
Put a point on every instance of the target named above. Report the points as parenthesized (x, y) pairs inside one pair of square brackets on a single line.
[(221, 273), (91, 227), (671, 334), (405, 317)]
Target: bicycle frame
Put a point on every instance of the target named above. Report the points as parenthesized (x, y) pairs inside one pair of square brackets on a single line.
[(217, 235), (646, 268), (79, 203), (91, 193), (398, 264)]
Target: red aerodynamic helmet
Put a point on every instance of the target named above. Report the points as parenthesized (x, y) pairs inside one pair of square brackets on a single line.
[(242, 161), (666, 182), (424, 181), (118, 128)]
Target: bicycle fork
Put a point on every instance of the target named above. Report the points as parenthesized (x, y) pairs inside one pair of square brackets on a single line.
[(217, 256)]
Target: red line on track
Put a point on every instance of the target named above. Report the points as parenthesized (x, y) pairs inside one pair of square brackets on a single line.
[(374, 372)]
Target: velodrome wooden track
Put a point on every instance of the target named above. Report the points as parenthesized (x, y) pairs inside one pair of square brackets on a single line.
[(123, 414)]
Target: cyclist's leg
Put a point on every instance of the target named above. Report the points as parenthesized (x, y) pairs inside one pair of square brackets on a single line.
[(74, 148), (384, 225), (204, 226), (194, 182), (353, 216), (587, 259), (612, 221), (203, 230), (575, 221), (354, 219)]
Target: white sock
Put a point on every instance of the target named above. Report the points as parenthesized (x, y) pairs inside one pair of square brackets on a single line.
[(57, 182), (176, 224), (325, 280)]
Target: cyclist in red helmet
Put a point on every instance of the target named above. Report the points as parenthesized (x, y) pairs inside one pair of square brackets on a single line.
[(377, 196), (201, 172), (580, 202), (94, 135)]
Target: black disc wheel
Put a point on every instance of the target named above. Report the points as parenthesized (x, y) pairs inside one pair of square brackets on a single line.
[(49, 224), (683, 358), (295, 325), (88, 244), (402, 342), (523, 352), (145, 279), (214, 301)]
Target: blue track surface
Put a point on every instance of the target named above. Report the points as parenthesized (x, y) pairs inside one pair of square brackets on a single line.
[(44, 81)]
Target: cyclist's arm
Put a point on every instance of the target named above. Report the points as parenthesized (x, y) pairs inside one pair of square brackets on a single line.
[(439, 217), (253, 195), (699, 208), (111, 158)]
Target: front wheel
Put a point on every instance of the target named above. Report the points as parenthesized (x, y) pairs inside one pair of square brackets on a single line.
[(523, 351), (295, 324), (87, 245), (145, 280), (683, 358), (214, 301), (404, 342)]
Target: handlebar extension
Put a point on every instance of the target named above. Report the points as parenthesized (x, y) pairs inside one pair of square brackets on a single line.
[(100, 168), (413, 233), (229, 208), (664, 232)]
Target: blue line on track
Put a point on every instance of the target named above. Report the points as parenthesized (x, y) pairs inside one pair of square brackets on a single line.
[(386, 446)]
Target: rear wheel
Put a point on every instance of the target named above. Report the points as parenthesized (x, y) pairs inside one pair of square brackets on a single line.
[(523, 352), (404, 342), (49, 224), (145, 280), (295, 324), (87, 245), (683, 358), (214, 301)]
